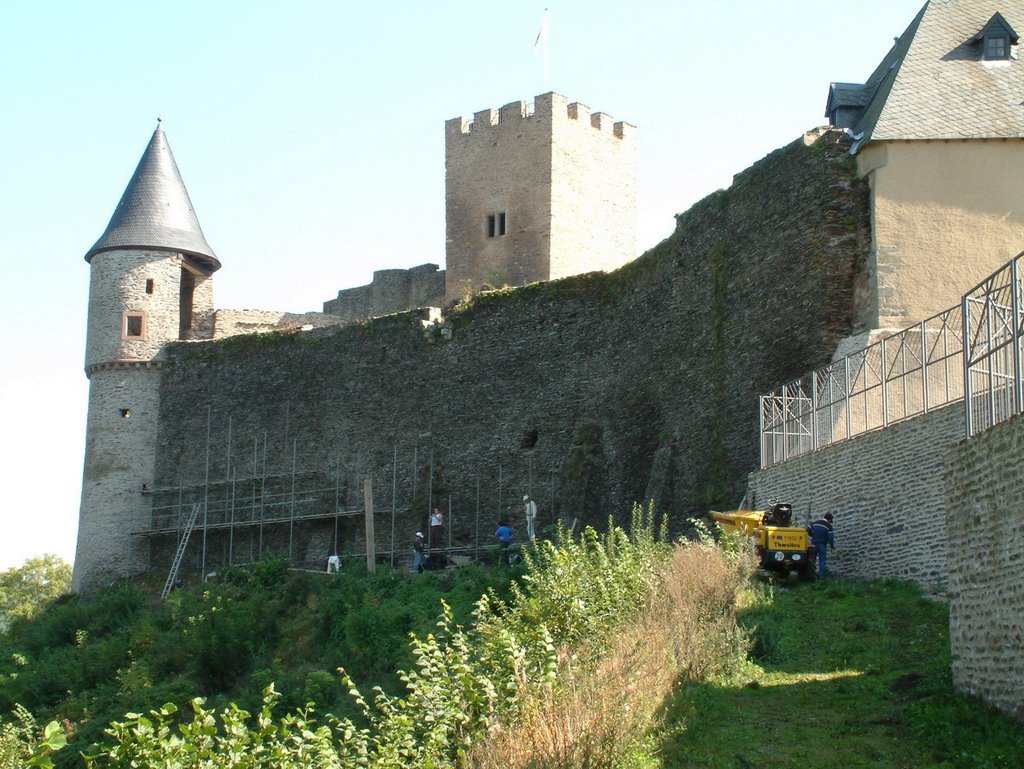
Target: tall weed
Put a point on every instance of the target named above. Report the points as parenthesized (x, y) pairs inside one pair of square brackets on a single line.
[(569, 671), (601, 705)]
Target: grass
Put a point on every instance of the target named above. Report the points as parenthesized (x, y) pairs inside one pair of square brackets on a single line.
[(841, 675)]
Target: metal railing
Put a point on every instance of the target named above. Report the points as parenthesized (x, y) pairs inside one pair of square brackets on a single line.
[(992, 348), (898, 377), (971, 352)]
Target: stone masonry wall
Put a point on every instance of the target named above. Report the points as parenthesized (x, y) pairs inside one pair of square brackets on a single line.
[(985, 526), (590, 393), (499, 163), (391, 291), (234, 322), (124, 402), (885, 488), (117, 284), (121, 433), (593, 195)]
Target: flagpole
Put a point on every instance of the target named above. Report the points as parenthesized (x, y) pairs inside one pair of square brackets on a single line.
[(542, 40), (547, 54)]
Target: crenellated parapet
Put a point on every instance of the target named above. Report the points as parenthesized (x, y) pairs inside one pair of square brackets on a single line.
[(550, 108)]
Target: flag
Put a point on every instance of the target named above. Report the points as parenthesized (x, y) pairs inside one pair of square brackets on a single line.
[(542, 36)]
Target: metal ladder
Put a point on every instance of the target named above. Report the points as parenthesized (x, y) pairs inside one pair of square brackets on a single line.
[(189, 525)]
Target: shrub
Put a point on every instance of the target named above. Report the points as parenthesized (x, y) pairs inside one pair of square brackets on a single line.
[(568, 671), (23, 744)]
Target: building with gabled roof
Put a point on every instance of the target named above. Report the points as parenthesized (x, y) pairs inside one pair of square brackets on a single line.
[(938, 130)]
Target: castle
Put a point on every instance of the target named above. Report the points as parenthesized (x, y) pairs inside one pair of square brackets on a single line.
[(592, 391), (533, 192)]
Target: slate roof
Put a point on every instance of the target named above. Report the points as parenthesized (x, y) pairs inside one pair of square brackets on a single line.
[(933, 83), (156, 212), (847, 94)]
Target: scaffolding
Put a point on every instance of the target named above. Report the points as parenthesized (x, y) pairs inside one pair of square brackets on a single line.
[(248, 511)]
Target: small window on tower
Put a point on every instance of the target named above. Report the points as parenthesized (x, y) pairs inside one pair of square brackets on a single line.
[(496, 225), (133, 325), (149, 285)]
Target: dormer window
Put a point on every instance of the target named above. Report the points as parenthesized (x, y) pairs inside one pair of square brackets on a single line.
[(997, 47), (995, 39)]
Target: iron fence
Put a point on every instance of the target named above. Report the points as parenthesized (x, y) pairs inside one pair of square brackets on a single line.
[(971, 352), (898, 377), (992, 348)]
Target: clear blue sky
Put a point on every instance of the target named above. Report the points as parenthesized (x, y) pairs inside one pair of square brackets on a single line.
[(310, 136)]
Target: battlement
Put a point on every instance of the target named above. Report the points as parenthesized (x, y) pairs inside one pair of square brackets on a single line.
[(550, 107)]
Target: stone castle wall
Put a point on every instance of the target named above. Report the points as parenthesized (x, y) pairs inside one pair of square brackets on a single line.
[(121, 433), (591, 392), (234, 322), (985, 528), (593, 196), (885, 488), (124, 400), (391, 291)]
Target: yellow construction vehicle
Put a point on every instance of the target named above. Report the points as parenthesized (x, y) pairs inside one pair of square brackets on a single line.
[(781, 547)]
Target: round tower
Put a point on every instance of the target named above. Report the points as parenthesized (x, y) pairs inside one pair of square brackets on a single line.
[(150, 284)]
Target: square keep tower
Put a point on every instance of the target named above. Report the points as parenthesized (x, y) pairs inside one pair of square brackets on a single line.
[(537, 195)]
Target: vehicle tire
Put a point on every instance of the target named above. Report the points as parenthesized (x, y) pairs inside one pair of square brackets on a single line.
[(808, 572)]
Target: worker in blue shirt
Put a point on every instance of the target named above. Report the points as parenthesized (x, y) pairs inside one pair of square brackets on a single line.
[(823, 537), (504, 535)]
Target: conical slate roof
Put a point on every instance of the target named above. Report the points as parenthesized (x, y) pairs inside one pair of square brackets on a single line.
[(155, 211)]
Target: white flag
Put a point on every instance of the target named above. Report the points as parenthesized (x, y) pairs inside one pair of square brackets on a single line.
[(542, 36)]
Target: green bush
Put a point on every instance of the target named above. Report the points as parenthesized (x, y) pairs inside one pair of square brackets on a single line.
[(24, 744), (463, 681)]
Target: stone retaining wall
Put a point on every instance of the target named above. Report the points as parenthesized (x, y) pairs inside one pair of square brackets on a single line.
[(984, 487), (886, 490)]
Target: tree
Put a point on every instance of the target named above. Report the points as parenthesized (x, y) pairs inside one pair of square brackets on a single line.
[(26, 589)]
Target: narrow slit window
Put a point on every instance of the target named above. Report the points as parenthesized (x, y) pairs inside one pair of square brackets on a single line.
[(149, 285), (185, 300)]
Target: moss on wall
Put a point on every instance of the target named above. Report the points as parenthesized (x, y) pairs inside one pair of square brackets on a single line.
[(644, 378)]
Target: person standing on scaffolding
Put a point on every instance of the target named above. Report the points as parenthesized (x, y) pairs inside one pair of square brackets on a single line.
[(436, 523), (530, 509)]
